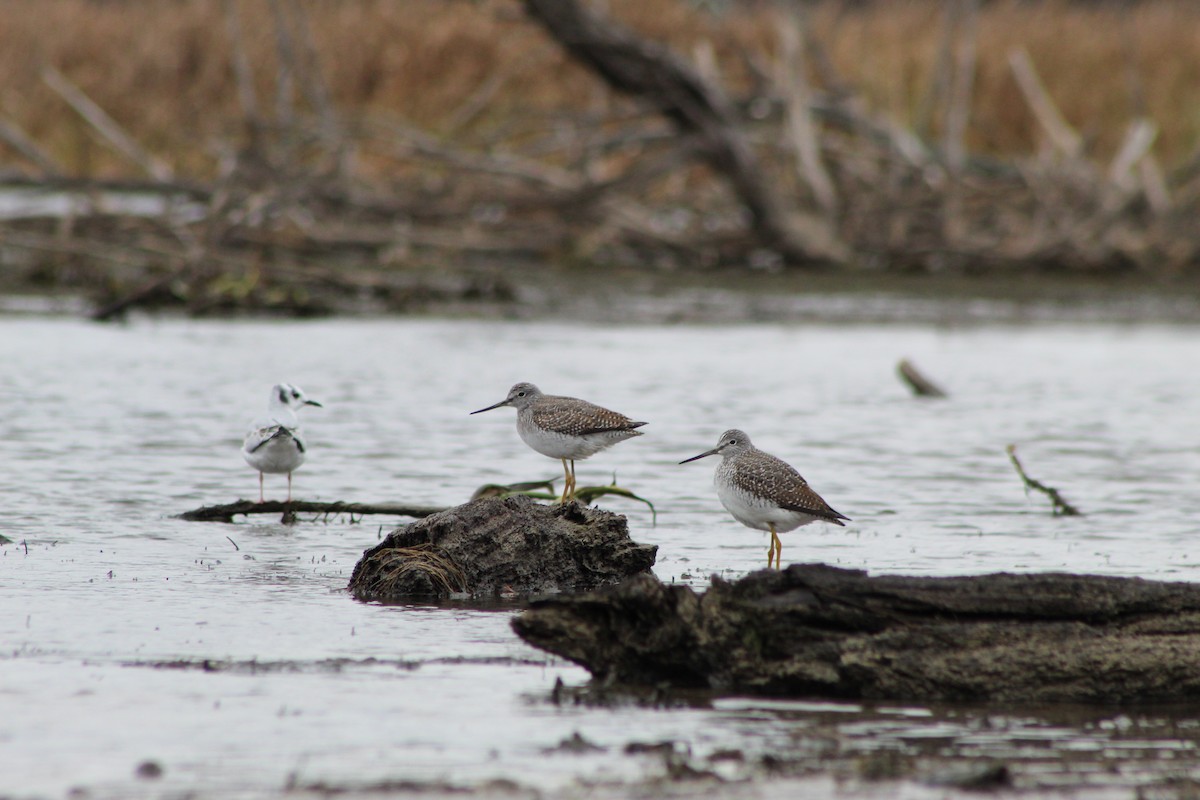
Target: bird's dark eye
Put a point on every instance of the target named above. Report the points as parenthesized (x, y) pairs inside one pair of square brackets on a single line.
[(520, 394), (296, 395)]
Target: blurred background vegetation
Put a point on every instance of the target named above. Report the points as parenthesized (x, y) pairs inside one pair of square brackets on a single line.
[(941, 135), (163, 68)]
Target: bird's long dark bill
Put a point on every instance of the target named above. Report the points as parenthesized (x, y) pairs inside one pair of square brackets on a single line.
[(503, 402), (702, 455), (313, 403)]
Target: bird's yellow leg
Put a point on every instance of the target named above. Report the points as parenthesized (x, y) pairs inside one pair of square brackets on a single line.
[(573, 483), (776, 548), (566, 482)]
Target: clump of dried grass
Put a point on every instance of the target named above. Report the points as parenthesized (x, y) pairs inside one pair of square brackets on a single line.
[(408, 571)]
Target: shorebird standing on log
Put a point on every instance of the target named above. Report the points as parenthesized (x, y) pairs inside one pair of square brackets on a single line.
[(565, 428), (274, 443), (764, 492)]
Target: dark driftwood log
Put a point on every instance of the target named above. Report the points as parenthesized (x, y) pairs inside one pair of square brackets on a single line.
[(649, 70), (226, 513), (813, 630), (493, 546)]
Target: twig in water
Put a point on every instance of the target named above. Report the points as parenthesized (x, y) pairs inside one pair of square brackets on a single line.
[(921, 386), (1061, 506), (232, 542)]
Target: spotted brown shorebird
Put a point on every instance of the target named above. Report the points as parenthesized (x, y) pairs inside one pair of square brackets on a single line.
[(565, 428), (764, 492)]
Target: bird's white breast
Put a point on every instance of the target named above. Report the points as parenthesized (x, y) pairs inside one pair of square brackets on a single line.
[(756, 512), (282, 454), (562, 445)]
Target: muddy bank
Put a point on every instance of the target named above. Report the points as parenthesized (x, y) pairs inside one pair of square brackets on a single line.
[(813, 630), (605, 295), (509, 546)]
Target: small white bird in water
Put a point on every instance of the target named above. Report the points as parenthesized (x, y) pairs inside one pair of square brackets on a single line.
[(274, 443), (565, 428), (764, 492)]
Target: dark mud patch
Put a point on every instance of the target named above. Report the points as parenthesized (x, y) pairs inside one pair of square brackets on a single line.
[(498, 788), (256, 667)]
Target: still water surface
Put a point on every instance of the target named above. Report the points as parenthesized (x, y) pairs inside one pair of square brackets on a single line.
[(230, 656)]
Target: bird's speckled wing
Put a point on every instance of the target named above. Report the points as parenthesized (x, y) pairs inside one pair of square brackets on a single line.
[(765, 475), (574, 417)]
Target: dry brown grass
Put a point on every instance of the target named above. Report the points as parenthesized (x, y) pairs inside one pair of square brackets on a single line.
[(161, 67), (1101, 63)]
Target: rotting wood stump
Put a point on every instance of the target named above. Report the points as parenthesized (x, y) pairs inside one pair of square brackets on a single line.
[(818, 631), (502, 546)]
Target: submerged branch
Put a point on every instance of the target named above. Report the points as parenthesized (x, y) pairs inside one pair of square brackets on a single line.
[(226, 513), (1061, 506)]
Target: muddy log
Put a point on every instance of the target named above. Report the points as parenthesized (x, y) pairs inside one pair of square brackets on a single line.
[(813, 630), (494, 546)]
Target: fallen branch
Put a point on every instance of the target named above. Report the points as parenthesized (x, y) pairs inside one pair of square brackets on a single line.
[(1061, 506), (157, 287), (650, 71), (226, 513)]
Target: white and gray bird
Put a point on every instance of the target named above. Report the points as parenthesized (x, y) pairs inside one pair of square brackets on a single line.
[(764, 492), (274, 443), (565, 428)]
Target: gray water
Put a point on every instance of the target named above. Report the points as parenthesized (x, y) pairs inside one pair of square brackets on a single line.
[(231, 657)]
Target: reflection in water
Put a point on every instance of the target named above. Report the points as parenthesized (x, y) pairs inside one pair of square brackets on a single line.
[(231, 656)]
